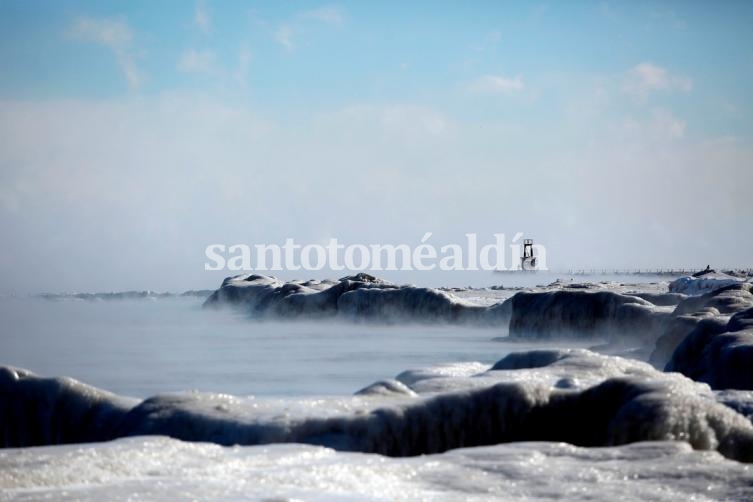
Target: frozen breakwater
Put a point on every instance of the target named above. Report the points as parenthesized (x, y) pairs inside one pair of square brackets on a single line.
[(361, 297), (689, 402), (698, 326), (573, 396)]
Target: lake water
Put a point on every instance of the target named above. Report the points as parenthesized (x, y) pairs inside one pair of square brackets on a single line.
[(144, 347)]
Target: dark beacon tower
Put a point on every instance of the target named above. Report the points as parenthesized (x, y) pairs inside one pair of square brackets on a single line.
[(528, 261)]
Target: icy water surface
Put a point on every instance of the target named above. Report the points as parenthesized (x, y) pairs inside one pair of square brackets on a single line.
[(144, 347)]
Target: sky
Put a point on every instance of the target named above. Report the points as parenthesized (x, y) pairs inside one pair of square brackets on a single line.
[(135, 134)]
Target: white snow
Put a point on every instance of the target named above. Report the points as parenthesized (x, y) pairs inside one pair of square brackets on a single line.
[(159, 468)]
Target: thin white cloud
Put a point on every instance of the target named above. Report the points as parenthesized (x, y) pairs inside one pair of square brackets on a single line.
[(201, 18), (497, 84), (662, 125), (286, 33), (665, 124), (406, 121), (284, 36), (328, 15), (645, 78), (194, 61), (116, 35)]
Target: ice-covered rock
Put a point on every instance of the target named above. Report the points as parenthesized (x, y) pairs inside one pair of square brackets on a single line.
[(571, 368), (710, 338), (360, 298), (38, 411), (640, 406), (452, 371), (707, 313), (721, 356), (739, 400), (681, 327), (578, 314), (705, 283), (387, 388), (562, 368), (660, 299), (407, 303), (726, 299)]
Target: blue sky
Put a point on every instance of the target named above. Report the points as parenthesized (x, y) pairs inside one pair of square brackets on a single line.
[(626, 124), (292, 58)]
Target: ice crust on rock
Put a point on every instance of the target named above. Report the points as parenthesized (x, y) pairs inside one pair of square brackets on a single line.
[(681, 327), (387, 388), (726, 299), (719, 356), (707, 336), (507, 404), (710, 338), (585, 314), (561, 368), (39, 411), (705, 283), (361, 297), (660, 299)]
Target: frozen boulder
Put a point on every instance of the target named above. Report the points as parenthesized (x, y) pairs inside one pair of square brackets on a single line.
[(387, 388), (707, 338), (584, 314), (660, 299), (41, 411), (681, 327), (720, 355), (726, 299)]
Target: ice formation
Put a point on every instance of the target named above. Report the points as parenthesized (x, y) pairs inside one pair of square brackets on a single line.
[(510, 402), (710, 338), (159, 468), (518, 413), (581, 314), (361, 297), (703, 283), (707, 336)]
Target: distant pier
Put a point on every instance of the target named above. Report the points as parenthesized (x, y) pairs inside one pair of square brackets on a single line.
[(670, 272), (678, 272)]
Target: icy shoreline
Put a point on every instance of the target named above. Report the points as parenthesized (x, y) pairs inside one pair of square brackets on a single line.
[(594, 400), (697, 334), (158, 468)]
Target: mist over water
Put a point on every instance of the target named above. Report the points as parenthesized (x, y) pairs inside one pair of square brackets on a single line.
[(150, 346), (440, 141), (145, 347)]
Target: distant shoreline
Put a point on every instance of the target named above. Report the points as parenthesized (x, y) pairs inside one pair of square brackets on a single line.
[(672, 272)]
